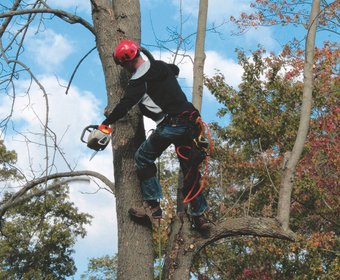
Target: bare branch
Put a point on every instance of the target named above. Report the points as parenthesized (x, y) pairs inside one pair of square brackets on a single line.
[(24, 189), (75, 69), (263, 227), (8, 19), (70, 18), (46, 101), (266, 167), (21, 199), (307, 102)]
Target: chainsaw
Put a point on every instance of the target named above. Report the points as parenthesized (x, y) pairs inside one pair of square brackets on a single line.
[(98, 137)]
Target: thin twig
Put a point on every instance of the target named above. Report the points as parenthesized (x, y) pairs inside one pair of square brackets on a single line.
[(75, 69)]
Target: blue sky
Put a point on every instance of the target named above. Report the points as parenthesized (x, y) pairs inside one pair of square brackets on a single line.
[(52, 56)]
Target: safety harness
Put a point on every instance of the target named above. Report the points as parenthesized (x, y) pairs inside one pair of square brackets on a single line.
[(199, 152)]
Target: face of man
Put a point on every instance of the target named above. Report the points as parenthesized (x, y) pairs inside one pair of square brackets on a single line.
[(130, 66)]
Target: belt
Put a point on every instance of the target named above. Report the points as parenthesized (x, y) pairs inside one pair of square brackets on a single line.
[(183, 117)]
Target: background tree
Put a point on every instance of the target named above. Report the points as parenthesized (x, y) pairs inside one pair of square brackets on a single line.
[(199, 55), (7, 160), (306, 108), (37, 237), (292, 12), (265, 116), (103, 268)]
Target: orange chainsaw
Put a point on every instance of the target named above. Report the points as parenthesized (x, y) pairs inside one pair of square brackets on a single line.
[(98, 137)]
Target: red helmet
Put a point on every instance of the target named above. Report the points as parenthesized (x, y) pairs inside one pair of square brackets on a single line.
[(126, 50)]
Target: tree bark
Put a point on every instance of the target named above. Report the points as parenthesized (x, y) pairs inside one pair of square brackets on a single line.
[(199, 59), (185, 243), (113, 22), (289, 170), (177, 262)]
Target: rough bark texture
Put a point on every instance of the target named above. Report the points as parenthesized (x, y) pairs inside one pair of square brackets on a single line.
[(288, 173), (199, 55), (185, 243), (113, 22), (177, 262)]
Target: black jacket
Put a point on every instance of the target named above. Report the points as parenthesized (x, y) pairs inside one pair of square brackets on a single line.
[(155, 88)]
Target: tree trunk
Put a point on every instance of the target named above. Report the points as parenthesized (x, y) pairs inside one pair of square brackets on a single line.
[(289, 169), (178, 258), (199, 59), (113, 22)]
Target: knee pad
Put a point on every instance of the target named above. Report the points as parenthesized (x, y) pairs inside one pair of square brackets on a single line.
[(147, 172)]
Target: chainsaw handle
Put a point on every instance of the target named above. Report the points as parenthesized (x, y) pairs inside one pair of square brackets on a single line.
[(89, 128)]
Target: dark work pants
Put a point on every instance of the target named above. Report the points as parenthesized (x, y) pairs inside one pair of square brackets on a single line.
[(180, 133)]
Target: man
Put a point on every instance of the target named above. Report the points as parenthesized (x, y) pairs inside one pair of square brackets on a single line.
[(154, 87)]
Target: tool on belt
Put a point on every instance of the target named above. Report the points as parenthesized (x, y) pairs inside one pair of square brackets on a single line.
[(98, 137)]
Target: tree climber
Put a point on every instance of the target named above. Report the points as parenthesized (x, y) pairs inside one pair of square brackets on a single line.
[(154, 87)]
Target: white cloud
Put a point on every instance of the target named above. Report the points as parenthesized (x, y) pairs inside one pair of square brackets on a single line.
[(263, 36), (49, 49), (220, 10), (214, 63), (101, 205), (68, 115)]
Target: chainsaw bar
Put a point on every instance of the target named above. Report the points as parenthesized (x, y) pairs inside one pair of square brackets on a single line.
[(92, 156)]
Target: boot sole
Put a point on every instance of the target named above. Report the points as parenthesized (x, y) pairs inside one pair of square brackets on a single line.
[(133, 213)]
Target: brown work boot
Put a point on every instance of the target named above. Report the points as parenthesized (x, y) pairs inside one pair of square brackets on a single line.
[(149, 209), (200, 223)]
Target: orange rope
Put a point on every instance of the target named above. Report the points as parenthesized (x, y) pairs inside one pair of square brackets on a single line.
[(203, 127), (188, 197)]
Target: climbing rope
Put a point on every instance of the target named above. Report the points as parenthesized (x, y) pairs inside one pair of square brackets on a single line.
[(201, 150)]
